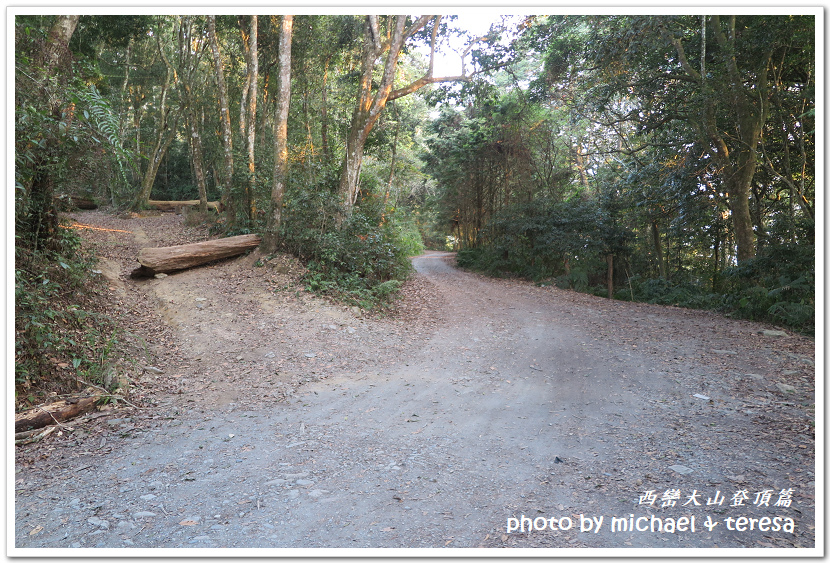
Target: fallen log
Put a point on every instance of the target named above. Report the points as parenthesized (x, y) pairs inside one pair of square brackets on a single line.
[(178, 205), (70, 203), (163, 260), (53, 413)]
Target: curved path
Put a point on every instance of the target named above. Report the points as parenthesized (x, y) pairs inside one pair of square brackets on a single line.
[(523, 401)]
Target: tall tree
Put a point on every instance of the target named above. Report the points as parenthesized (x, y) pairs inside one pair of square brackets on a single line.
[(280, 124), (226, 174), (708, 77), (166, 121), (40, 218), (383, 36), (248, 108), (191, 48)]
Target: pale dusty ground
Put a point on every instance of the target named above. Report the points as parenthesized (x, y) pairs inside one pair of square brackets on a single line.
[(282, 420)]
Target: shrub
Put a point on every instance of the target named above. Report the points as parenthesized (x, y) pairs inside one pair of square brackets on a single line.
[(362, 262), (58, 338)]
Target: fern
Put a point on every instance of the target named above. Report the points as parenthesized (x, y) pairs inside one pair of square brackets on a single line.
[(101, 116)]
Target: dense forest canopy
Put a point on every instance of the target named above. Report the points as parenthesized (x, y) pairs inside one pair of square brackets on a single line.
[(661, 158)]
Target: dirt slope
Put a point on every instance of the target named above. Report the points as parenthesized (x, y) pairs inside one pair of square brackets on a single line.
[(283, 421)]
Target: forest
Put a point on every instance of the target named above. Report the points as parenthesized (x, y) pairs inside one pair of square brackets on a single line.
[(665, 159)]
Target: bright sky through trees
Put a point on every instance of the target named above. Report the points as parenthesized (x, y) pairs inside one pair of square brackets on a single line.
[(476, 23)]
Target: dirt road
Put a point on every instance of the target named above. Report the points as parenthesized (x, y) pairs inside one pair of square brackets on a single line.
[(283, 421)]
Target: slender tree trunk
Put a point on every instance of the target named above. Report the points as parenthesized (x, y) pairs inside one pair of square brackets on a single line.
[(610, 259), (195, 143), (226, 175), (658, 249), (324, 120), (165, 131), (392, 159), (280, 136), (253, 71)]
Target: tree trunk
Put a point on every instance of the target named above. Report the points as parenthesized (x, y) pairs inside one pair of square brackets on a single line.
[(173, 258), (280, 136), (610, 259), (370, 103), (735, 154), (195, 143), (324, 119), (165, 131), (658, 249), (226, 176), (57, 42), (392, 158), (41, 217), (250, 115)]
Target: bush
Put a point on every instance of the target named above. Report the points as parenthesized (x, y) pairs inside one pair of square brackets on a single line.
[(777, 286), (57, 338), (362, 262)]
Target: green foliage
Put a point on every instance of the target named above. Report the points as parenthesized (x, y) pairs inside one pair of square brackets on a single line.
[(363, 262), (57, 337), (777, 286), (544, 238), (103, 121)]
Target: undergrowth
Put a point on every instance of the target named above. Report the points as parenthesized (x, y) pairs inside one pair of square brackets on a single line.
[(363, 262), (62, 341)]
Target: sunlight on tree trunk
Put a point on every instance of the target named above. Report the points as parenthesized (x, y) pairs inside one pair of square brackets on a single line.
[(280, 122), (226, 175)]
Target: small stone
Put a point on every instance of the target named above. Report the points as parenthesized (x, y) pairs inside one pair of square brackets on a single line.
[(95, 521), (784, 388), (159, 277), (293, 493), (148, 497), (699, 396), (317, 493), (682, 469), (271, 355), (275, 482), (155, 485), (311, 355), (773, 333), (144, 514), (201, 299), (296, 475), (304, 482), (153, 369)]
